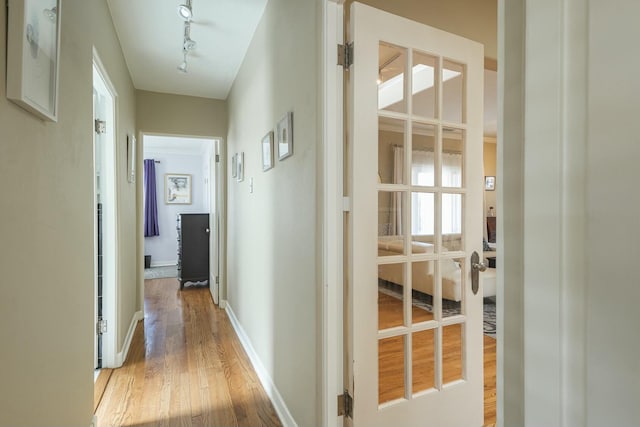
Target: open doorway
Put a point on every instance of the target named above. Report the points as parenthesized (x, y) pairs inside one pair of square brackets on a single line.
[(105, 219), (184, 216)]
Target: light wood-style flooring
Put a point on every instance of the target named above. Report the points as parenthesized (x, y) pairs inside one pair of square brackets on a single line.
[(391, 357), (186, 367)]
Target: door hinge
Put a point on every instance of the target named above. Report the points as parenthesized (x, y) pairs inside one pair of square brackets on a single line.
[(345, 55), (346, 204), (217, 280), (101, 326), (217, 158), (345, 405), (100, 126)]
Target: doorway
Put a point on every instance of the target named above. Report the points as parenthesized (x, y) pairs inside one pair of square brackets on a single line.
[(196, 161), (105, 219)]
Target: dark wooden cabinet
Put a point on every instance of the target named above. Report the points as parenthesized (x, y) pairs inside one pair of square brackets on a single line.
[(193, 248)]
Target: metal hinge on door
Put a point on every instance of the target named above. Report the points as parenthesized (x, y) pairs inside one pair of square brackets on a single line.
[(217, 158), (101, 326), (345, 55), (345, 405), (217, 280), (100, 126)]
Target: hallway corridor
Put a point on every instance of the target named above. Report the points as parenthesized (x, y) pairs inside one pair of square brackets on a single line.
[(186, 367)]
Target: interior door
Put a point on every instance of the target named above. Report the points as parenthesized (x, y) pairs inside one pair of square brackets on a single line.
[(415, 153), (214, 221)]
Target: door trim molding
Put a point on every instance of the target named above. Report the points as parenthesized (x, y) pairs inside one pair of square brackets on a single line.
[(331, 195)]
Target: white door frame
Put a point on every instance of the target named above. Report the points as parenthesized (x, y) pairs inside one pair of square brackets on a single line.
[(110, 253), (333, 213), (523, 28)]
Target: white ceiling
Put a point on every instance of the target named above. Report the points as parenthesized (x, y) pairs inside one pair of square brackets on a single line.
[(151, 34)]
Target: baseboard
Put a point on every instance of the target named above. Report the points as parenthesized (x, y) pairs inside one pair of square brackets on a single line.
[(164, 264), (267, 382), (223, 304), (122, 356), (94, 422)]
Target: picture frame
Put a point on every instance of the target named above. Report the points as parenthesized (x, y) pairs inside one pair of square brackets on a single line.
[(33, 52), (177, 189), (240, 176), (131, 159), (489, 183), (267, 151), (284, 132), (234, 165)]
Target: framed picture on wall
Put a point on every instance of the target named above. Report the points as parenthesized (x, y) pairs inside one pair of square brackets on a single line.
[(234, 165), (490, 183), (267, 151), (284, 131), (33, 46), (177, 189)]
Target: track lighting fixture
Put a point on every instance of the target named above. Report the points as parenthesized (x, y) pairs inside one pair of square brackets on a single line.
[(186, 11)]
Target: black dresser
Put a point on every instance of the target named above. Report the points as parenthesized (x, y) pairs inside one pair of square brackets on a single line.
[(193, 248)]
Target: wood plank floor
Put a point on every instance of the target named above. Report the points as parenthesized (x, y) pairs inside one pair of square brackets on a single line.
[(391, 357), (186, 367)]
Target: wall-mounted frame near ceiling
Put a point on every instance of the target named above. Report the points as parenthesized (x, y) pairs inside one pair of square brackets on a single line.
[(33, 46), (284, 132)]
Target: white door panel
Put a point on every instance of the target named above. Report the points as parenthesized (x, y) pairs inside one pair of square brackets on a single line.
[(415, 337)]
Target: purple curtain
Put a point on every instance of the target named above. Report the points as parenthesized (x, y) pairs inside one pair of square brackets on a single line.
[(150, 199)]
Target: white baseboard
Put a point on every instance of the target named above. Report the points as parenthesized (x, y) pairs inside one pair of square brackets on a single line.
[(164, 264), (122, 356), (94, 422), (267, 382)]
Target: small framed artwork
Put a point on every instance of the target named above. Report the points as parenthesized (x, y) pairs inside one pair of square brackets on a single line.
[(33, 46), (267, 151), (131, 159), (284, 130), (177, 189), (240, 176), (489, 183), (234, 165)]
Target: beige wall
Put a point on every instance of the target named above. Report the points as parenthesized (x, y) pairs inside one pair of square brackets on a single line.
[(273, 241), (490, 198), (46, 294), (474, 19), (167, 114)]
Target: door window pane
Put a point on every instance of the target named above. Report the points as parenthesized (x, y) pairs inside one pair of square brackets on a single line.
[(391, 153), (391, 369), (423, 85), (452, 157), (392, 65), (422, 280), (451, 222), (390, 218), (390, 295), (452, 351), (453, 77), (423, 363), (423, 155), (453, 285)]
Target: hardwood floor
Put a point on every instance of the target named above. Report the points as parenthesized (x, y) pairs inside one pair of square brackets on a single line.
[(186, 367), (391, 357)]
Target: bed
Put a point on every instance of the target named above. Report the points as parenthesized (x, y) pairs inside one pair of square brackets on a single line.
[(423, 274)]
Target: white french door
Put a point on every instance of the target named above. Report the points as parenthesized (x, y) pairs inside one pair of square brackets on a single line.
[(415, 161)]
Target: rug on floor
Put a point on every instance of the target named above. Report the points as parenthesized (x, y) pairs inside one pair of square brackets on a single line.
[(449, 308), (161, 272)]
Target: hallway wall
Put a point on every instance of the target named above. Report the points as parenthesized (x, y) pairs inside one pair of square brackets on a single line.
[(46, 256), (273, 242)]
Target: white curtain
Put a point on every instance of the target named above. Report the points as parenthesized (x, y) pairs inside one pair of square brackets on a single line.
[(423, 204), (396, 198)]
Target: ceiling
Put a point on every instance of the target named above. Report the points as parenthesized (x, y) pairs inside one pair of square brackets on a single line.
[(151, 34)]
